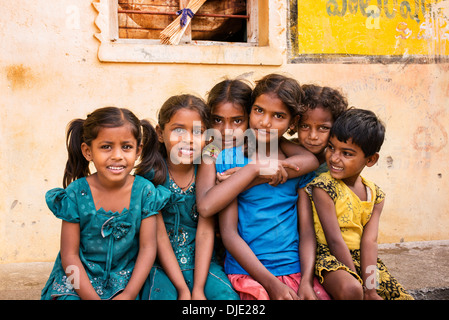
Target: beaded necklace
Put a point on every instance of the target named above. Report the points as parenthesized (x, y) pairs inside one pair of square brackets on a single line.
[(182, 188)]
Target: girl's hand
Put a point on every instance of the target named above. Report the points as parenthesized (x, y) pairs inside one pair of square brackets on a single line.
[(198, 294), (279, 174), (371, 295), (224, 175), (280, 291), (184, 294), (123, 296), (306, 292), (276, 171)]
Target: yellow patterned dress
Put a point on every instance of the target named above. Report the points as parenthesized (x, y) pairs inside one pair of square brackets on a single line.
[(352, 215)]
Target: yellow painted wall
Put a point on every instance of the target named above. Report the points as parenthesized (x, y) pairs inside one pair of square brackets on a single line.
[(50, 74), (368, 27)]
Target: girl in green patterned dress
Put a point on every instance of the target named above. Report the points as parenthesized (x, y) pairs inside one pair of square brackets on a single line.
[(186, 267), (108, 236)]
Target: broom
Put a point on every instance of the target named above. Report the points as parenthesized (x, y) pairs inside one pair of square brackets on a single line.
[(173, 33)]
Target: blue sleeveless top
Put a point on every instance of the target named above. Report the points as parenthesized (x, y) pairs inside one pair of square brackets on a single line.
[(267, 219)]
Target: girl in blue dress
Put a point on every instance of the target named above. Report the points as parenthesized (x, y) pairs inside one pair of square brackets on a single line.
[(186, 267), (108, 235)]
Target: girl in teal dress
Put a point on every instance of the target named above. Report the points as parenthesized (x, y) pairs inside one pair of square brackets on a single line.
[(108, 236), (186, 267)]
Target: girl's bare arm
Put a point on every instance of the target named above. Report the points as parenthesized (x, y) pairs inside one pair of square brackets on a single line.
[(326, 212), (298, 156), (368, 252), (211, 197), (204, 246), (145, 259), (307, 246), (70, 260), (169, 262), (241, 252)]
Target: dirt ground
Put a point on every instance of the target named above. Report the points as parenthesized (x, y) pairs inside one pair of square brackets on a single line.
[(421, 267)]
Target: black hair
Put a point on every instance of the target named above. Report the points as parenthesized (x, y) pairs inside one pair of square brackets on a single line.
[(287, 89), (363, 127), (325, 97), (176, 103), (235, 91), (81, 131)]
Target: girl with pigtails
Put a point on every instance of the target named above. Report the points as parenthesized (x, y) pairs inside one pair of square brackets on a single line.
[(108, 235)]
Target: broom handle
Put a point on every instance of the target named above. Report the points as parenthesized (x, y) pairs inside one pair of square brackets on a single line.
[(195, 5), (187, 36), (172, 33)]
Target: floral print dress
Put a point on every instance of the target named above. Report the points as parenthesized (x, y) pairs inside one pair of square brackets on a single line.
[(352, 215)]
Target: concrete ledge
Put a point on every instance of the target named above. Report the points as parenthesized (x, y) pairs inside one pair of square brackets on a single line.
[(421, 267), (23, 281)]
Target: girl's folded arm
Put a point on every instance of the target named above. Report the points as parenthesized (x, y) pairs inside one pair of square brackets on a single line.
[(211, 197), (299, 157)]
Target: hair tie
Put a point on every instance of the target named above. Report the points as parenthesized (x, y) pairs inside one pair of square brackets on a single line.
[(186, 12)]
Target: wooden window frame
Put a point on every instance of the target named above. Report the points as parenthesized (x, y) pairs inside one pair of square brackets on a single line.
[(261, 49), (250, 18)]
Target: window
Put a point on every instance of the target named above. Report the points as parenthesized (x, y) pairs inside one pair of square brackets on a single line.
[(216, 20), (221, 32)]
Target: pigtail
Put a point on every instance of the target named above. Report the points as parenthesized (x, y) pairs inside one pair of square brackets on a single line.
[(77, 166), (151, 158)]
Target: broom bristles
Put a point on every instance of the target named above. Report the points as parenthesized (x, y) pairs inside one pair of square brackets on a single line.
[(173, 33)]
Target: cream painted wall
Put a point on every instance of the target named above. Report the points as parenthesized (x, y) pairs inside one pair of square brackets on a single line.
[(50, 74)]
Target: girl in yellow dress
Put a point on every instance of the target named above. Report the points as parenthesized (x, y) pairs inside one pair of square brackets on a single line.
[(347, 209)]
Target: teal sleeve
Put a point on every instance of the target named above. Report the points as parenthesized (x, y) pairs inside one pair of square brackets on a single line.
[(155, 200), (63, 204)]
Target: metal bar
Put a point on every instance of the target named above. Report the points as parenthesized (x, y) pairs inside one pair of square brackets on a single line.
[(234, 16)]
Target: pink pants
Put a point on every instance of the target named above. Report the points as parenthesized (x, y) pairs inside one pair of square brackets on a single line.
[(250, 289)]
